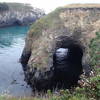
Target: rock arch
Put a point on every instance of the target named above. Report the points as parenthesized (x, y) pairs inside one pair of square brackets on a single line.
[(68, 70)]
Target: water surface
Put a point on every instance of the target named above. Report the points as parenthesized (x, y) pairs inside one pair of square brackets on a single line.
[(11, 73)]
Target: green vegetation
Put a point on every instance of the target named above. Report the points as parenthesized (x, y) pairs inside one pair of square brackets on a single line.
[(95, 51), (52, 20)]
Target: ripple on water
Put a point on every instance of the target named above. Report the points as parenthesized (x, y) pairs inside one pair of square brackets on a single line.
[(11, 73)]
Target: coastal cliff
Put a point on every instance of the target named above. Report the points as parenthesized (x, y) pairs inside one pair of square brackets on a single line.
[(72, 26), (18, 14)]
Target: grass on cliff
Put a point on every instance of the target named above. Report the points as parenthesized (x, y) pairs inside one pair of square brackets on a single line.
[(48, 21)]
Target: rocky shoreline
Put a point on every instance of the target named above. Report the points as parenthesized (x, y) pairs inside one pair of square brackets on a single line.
[(18, 14)]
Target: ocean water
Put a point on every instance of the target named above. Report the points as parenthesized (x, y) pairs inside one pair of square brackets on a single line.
[(11, 73)]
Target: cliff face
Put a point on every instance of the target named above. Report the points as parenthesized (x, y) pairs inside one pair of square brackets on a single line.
[(72, 27), (20, 14)]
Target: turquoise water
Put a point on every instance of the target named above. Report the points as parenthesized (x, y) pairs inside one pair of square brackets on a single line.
[(11, 73)]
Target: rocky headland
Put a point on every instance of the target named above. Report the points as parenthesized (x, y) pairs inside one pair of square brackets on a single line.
[(18, 14), (72, 27)]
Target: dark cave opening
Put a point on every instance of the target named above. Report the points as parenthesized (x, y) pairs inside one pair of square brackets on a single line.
[(67, 63), (17, 22)]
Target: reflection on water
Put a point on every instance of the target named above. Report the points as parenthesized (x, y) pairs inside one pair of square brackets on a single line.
[(11, 73)]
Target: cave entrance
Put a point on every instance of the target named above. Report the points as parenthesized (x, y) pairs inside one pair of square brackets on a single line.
[(17, 22), (67, 62)]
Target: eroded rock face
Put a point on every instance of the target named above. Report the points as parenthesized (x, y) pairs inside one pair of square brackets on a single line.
[(63, 28), (18, 14)]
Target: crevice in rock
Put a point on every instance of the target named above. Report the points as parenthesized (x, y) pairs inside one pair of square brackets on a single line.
[(24, 59)]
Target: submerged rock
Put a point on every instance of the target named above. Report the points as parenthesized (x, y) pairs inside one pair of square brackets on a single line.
[(63, 28), (18, 14)]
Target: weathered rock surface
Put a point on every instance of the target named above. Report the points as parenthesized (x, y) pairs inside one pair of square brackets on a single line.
[(18, 14), (71, 27)]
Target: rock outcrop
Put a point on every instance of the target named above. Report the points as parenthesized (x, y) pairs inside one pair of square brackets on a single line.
[(18, 14), (71, 27)]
